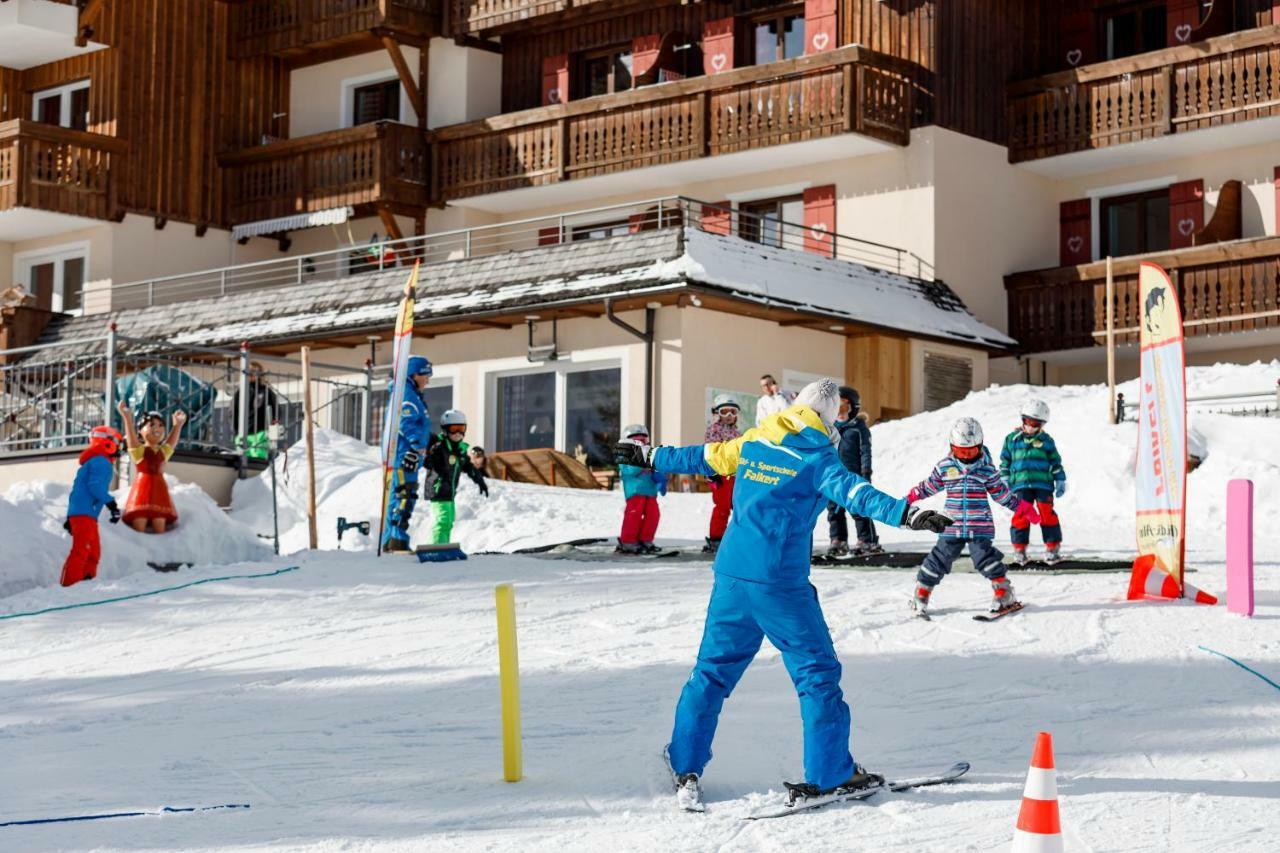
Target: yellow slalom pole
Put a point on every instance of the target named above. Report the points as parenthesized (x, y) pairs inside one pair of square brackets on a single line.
[(509, 683)]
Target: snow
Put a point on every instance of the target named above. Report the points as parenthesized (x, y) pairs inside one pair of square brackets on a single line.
[(354, 703)]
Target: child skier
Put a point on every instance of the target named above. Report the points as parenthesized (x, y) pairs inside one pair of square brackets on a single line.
[(447, 460), (723, 427), (855, 455), (414, 424), (90, 492), (787, 471), (968, 476), (1031, 465), (641, 487)]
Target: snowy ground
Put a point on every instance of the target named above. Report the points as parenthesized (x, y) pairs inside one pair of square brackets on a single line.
[(354, 702)]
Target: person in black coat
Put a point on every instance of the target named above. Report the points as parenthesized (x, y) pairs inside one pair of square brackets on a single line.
[(855, 454)]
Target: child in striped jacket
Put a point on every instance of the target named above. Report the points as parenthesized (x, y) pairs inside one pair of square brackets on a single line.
[(968, 476)]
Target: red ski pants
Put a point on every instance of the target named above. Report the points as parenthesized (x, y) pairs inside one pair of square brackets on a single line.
[(82, 562), (722, 496), (640, 521)]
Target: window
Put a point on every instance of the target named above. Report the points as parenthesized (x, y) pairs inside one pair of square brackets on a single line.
[(601, 230), (66, 106), (593, 411), (439, 399), (606, 71), (527, 411), (571, 408), (777, 36), (1134, 224), (1133, 28), (376, 102), (55, 278), (766, 221)]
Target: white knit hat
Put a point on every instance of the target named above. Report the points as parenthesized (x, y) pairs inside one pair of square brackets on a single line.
[(823, 397)]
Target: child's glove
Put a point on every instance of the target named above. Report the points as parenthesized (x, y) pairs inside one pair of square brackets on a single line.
[(1060, 488), (483, 487), (114, 509), (661, 480), (1027, 510), (925, 519), (628, 452), (410, 460), (913, 496), (66, 524)]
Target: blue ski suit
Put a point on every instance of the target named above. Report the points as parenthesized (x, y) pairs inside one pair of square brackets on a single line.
[(415, 434), (786, 472)]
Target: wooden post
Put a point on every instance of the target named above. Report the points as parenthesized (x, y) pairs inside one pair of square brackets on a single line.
[(308, 412), (1111, 344)]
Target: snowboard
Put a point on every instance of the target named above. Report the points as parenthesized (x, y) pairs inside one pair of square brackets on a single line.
[(999, 614), (950, 775), (572, 543)]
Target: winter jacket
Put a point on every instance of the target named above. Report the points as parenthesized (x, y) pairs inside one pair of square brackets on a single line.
[(718, 430), (641, 481), (855, 445), (772, 405), (1031, 461), (787, 471), (967, 487), (415, 423), (91, 490), (445, 463)]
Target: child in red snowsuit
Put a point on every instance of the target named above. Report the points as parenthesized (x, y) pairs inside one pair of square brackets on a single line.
[(641, 488), (89, 494), (723, 427)]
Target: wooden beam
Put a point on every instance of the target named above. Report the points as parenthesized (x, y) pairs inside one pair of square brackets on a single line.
[(389, 222), (491, 324), (478, 44), (801, 321), (406, 77), (424, 80), (89, 15)]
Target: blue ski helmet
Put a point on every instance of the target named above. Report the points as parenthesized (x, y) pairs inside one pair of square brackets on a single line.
[(419, 365)]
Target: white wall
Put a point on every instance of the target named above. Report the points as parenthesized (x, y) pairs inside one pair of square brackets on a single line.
[(465, 84), (316, 102)]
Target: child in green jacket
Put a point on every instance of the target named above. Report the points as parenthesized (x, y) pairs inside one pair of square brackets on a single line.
[(1031, 465), (446, 461)]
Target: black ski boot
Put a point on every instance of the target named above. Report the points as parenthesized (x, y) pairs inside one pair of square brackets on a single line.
[(712, 546), (805, 793)]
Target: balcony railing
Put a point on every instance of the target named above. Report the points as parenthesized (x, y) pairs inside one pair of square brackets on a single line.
[(60, 170), (372, 163), (849, 90), (284, 27), (473, 17), (1223, 80), (1224, 287)]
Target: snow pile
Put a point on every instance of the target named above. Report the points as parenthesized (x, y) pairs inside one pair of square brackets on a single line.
[(32, 513)]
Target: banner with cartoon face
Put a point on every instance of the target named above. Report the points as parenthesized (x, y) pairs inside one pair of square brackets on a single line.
[(1161, 476)]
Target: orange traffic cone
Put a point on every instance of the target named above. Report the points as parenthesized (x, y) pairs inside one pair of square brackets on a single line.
[(1150, 580), (1039, 828)]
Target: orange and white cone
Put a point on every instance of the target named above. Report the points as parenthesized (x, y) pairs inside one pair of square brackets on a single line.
[(1150, 580), (1039, 827)]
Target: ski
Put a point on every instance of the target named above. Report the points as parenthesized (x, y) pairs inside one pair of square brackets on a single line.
[(991, 617), (950, 775), (168, 567), (688, 795), (661, 555)]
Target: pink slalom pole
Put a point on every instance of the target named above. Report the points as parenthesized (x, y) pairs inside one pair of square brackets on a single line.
[(1240, 547)]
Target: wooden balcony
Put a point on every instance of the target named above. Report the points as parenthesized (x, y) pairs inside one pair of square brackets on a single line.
[(1223, 80), (490, 17), (327, 29), (383, 164), (849, 90), (1224, 287), (59, 170)]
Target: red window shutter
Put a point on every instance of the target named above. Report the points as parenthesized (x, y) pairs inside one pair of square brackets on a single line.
[(555, 79), (1186, 212), (1076, 233), (549, 236), (1182, 17), (819, 26), (644, 55), (820, 220), (718, 218), (717, 46), (1078, 38)]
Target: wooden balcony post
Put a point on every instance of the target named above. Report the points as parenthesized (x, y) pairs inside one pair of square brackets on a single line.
[(1166, 120), (849, 102), (700, 119), (562, 149)]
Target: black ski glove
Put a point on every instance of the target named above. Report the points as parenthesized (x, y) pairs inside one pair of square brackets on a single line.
[(633, 453), (866, 474), (716, 480), (410, 460), (114, 509), (925, 519), (483, 487), (66, 524)]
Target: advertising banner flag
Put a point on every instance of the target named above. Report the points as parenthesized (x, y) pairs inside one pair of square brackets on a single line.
[(403, 343)]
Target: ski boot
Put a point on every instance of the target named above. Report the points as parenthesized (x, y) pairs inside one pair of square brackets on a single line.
[(920, 601), (1020, 554), (867, 549), (803, 792), (688, 787), (629, 549), (838, 548), (1052, 554), (649, 548), (396, 546), (1002, 597), (712, 546)]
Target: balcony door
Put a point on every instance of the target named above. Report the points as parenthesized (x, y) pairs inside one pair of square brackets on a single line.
[(777, 35), (1135, 224), (54, 277), (606, 71), (1132, 28), (774, 222), (65, 106)]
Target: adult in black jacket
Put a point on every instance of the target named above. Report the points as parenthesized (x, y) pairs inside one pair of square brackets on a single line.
[(855, 454)]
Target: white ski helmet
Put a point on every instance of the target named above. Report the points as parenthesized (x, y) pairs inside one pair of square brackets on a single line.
[(633, 430), (1036, 410), (967, 432), (453, 417), (722, 400)]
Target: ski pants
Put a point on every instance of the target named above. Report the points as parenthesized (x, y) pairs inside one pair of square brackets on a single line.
[(82, 562), (1050, 526), (722, 498), (441, 522), (838, 527), (640, 520), (402, 499), (987, 559), (740, 614)]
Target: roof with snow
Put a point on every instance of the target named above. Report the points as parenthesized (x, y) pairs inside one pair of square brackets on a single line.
[(570, 273)]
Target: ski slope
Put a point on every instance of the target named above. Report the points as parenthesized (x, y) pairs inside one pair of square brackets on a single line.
[(353, 703)]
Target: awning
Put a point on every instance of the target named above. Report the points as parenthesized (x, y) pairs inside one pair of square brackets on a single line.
[(296, 222)]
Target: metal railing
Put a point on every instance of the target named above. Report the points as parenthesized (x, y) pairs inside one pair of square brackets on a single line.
[(1263, 404), (486, 240)]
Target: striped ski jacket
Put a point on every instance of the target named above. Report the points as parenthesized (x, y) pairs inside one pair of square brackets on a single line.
[(1031, 461), (967, 487)]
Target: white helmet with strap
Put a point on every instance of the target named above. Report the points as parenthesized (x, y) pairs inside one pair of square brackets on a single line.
[(967, 432), (1037, 410), (722, 400), (453, 417), (633, 430)]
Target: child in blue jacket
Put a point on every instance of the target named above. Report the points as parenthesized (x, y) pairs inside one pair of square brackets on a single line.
[(90, 492), (641, 488)]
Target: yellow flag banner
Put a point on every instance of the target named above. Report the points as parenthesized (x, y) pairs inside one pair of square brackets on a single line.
[(1161, 475), (402, 344)]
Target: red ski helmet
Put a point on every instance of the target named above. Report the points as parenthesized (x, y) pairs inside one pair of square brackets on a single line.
[(106, 438)]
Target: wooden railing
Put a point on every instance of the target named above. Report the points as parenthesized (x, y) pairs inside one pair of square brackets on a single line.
[(850, 90), (373, 163), (472, 17), (286, 26), (57, 169), (1225, 287), (1223, 80)]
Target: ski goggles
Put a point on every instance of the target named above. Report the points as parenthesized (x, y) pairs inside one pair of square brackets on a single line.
[(456, 430), (966, 454), (1032, 422), (639, 438), (725, 411)]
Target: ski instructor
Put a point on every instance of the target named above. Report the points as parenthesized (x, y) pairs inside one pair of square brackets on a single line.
[(787, 469)]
